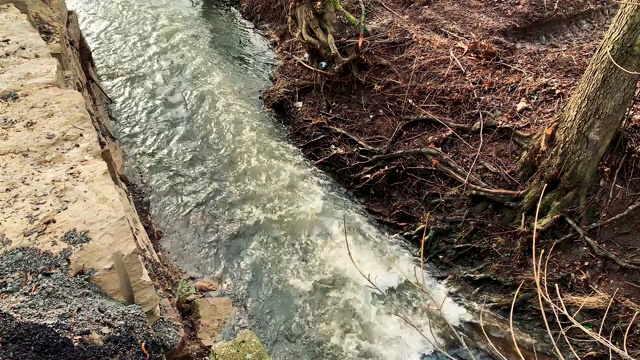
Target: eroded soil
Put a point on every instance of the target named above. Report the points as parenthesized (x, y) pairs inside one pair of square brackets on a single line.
[(468, 79)]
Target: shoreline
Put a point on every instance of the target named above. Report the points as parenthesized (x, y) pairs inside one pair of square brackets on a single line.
[(433, 75), (70, 209), (83, 273)]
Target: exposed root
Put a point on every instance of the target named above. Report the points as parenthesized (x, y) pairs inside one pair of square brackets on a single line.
[(443, 163), (517, 136), (317, 25), (363, 144)]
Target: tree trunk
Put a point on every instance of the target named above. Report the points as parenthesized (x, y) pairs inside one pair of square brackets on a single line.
[(568, 153)]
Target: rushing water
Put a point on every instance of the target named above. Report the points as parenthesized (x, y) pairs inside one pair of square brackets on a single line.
[(236, 200)]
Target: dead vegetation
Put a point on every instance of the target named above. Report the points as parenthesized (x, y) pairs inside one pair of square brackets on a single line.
[(431, 114)]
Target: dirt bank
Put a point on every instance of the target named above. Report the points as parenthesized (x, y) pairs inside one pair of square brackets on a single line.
[(466, 80)]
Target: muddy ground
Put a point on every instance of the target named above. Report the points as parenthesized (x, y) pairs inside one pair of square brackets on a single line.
[(469, 79)]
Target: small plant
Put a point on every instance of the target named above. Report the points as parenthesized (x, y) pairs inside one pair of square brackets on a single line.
[(185, 290)]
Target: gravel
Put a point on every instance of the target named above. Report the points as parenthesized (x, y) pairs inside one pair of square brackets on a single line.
[(73, 237), (46, 314)]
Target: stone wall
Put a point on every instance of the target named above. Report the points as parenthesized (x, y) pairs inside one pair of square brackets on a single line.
[(62, 193)]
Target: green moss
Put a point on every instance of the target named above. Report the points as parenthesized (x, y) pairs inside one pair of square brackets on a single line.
[(245, 346)]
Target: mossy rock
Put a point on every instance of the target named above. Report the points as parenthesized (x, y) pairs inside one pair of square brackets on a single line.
[(245, 346)]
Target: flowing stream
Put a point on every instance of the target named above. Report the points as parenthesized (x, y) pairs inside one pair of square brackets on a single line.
[(237, 201)]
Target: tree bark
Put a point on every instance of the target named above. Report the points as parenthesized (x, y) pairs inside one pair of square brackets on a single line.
[(568, 153)]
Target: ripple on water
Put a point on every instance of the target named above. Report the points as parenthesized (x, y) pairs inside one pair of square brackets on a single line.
[(234, 198)]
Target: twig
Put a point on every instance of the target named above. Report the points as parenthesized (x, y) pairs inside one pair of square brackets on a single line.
[(379, 290), (615, 177), (487, 336), (599, 250), (477, 153), (610, 220), (320, 161), (430, 116), (443, 163), (424, 236), (354, 138), (629, 210), (453, 34), (146, 353), (626, 333), (311, 67), (621, 68), (90, 77), (313, 140), (406, 95), (513, 333), (575, 322), (457, 61), (389, 9), (606, 313), (563, 309), (555, 311)]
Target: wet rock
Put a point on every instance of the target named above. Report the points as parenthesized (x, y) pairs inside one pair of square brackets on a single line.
[(206, 284), (213, 313), (245, 346)]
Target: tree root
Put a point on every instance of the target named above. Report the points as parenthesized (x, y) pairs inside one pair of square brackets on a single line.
[(598, 249), (440, 161), (517, 136), (443, 163), (363, 144), (316, 25)]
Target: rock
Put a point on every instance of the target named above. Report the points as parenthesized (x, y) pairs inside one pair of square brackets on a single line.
[(213, 294), (245, 346), (206, 284), (213, 314), (87, 203), (178, 348), (522, 105)]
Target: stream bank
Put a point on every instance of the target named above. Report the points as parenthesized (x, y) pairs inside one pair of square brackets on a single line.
[(464, 81), (82, 272)]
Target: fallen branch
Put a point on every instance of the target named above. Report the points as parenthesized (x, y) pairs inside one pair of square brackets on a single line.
[(602, 223), (519, 137), (320, 161), (389, 9), (598, 249), (354, 138), (610, 220), (313, 140)]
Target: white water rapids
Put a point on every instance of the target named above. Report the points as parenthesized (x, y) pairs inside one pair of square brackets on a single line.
[(236, 200)]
